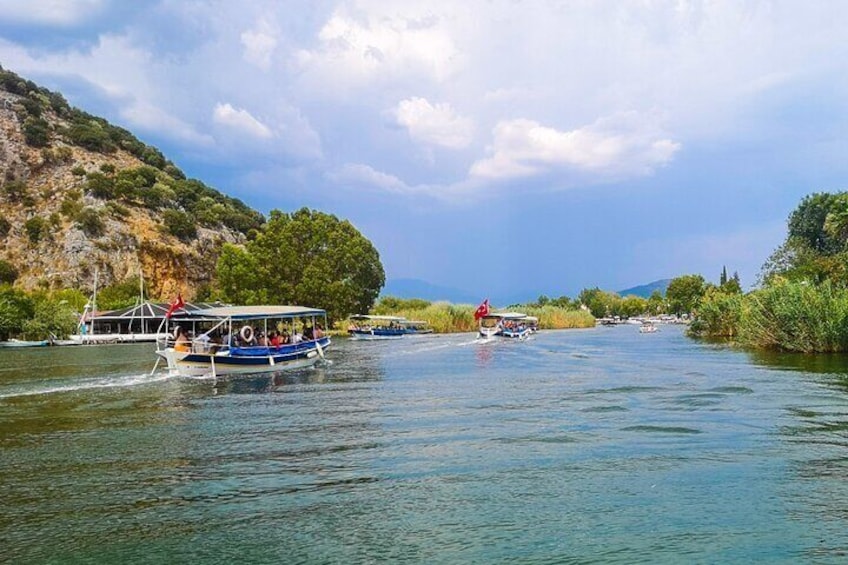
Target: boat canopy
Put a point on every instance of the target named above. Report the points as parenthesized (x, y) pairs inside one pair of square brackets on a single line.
[(506, 315), (249, 312), (378, 318)]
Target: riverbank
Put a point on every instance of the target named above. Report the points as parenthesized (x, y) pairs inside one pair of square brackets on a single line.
[(445, 317)]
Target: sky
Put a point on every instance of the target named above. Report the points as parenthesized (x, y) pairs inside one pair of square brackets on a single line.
[(505, 148)]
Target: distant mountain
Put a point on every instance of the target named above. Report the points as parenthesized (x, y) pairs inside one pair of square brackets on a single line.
[(646, 290), (416, 288)]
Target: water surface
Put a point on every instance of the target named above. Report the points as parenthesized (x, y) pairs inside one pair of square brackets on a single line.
[(582, 446)]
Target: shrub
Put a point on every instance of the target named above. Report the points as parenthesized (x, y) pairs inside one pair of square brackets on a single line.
[(100, 186), (107, 168), (36, 228), (90, 222), (36, 132), (8, 272), (179, 224), (16, 191), (718, 316), (5, 227), (78, 171)]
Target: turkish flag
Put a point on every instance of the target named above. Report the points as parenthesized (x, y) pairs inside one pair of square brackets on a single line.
[(482, 310), (177, 304)]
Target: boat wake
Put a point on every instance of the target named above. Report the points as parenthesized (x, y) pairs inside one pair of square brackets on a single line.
[(85, 384)]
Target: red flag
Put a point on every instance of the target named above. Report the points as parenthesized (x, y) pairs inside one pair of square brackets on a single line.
[(177, 304), (482, 310)]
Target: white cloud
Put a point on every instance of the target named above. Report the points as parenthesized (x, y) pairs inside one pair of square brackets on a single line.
[(364, 176), (437, 125), (54, 13), (152, 118), (622, 145), (259, 44), (363, 45), (240, 119)]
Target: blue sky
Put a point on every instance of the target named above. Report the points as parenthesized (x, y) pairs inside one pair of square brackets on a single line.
[(501, 147)]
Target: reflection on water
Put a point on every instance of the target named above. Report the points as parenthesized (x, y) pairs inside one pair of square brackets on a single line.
[(577, 446)]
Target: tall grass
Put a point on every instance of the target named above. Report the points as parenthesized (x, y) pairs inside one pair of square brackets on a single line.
[(718, 315), (794, 316), (445, 317)]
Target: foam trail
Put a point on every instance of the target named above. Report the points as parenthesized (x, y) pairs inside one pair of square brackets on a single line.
[(89, 384)]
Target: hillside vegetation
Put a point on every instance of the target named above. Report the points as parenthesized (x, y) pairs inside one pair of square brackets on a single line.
[(80, 194)]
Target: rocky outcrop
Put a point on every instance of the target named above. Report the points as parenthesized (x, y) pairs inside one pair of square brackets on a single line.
[(52, 244)]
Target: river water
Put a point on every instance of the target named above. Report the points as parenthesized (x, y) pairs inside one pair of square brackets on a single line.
[(581, 446)]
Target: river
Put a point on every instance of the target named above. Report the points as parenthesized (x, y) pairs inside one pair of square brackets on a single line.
[(579, 446)]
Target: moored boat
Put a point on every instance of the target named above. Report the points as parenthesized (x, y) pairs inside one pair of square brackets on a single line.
[(367, 327), (242, 339), (24, 343)]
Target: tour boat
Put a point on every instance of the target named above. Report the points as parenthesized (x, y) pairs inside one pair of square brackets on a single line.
[(365, 327), (242, 339), (514, 325)]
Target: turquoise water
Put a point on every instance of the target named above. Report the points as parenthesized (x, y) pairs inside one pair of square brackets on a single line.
[(589, 446)]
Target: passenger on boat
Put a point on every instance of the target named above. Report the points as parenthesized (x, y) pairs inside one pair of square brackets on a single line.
[(318, 333), (181, 342), (285, 338), (308, 333), (262, 341)]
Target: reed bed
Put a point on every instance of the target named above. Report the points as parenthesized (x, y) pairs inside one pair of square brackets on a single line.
[(445, 317), (794, 316)]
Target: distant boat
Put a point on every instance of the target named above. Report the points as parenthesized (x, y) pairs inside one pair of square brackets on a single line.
[(647, 328), (367, 327), (513, 325), (24, 343), (242, 339)]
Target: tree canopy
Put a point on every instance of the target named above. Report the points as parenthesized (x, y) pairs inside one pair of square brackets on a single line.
[(308, 258)]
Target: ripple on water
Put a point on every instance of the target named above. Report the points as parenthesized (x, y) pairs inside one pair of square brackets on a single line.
[(661, 429)]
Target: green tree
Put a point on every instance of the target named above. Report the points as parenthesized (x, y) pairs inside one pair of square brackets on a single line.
[(633, 305), (308, 258), (15, 309), (807, 223), (51, 318), (120, 294), (684, 293), (656, 303), (179, 224)]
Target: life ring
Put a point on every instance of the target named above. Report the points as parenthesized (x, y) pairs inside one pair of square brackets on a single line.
[(246, 333)]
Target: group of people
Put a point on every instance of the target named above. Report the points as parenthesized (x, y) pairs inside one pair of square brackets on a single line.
[(246, 337)]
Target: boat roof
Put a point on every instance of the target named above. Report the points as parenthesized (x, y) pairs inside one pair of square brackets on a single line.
[(150, 310), (250, 312), (371, 317), (506, 315)]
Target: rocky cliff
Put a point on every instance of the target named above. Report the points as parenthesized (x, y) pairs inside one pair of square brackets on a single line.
[(72, 202)]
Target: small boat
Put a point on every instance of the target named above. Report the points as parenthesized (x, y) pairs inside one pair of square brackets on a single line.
[(417, 327), (647, 328), (366, 327), (24, 343), (513, 325), (242, 339)]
